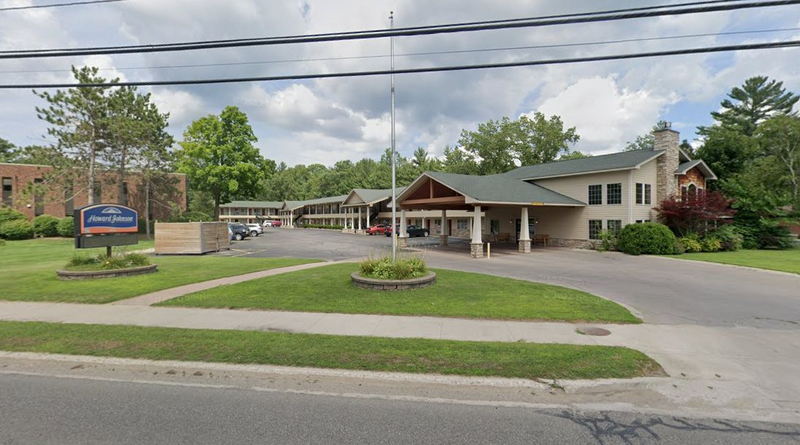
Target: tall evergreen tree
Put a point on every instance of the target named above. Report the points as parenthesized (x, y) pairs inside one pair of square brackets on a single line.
[(752, 103)]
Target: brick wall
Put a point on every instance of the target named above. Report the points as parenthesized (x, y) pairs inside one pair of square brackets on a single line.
[(694, 176), (53, 201)]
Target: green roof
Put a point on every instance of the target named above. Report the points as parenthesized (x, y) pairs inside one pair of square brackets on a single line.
[(373, 195), (254, 204), (291, 205), (501, 188), (615, 161)]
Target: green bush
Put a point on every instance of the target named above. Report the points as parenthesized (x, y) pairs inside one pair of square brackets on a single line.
[(711, 244), (647, 238), (691, 244), (66, 227), (7, 214), (385, 269), (16, 229), (763, 233), (191, 216), (118, 261), (323, 226), (730, 237), (608, 241), (45, 225)]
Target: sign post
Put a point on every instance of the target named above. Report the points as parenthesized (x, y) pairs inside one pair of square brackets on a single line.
[(105, 225)]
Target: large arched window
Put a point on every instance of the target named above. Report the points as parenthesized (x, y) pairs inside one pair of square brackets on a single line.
[(692, 192)]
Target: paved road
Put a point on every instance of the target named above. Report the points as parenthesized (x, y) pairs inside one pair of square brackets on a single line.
[(661, 290), (43, 409)]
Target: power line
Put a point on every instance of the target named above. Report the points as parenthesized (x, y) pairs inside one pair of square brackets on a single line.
[(58, 5), (704, 50), (372, 34), (424, 53)]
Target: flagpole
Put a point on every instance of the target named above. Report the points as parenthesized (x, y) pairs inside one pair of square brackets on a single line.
[(394, 168)]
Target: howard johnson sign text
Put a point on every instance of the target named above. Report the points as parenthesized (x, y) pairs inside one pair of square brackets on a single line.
[(106, 219)]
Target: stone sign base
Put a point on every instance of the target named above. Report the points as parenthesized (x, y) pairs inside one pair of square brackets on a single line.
[(376, 284), (94, 274)]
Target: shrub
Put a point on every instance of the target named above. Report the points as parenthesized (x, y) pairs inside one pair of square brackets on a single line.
[(690, 244), (608, 241), (323, 226), (45, 225), (647, 238), (711, 244), (7, 214), (119, 261), (730, 237), (696, 213), (385, 269), (16, 230), (66, 227), (764, 233), (191, 216)]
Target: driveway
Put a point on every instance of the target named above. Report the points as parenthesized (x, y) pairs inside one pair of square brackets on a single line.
[(660, 290)]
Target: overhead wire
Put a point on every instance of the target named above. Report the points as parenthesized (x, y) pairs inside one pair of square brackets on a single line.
[(57, 5), (381, 33), (686, 51)]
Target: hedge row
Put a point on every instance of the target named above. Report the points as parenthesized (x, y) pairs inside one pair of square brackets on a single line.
[(14, 226), (323, 226)]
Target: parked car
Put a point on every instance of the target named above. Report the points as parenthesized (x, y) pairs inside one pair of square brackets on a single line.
[(266, 224), (276, 223), (255, 229), (413, 231), (238, 231), (377, 229)]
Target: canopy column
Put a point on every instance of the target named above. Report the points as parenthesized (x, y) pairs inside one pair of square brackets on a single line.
[(443, 234), (402, 241), (524, 232), (359, 219), (476, 244)]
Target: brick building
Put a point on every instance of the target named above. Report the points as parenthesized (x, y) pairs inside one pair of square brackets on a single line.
[(59, 199)]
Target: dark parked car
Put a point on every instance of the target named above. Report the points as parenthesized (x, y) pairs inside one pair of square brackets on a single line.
[(413, 231), (238, 231)]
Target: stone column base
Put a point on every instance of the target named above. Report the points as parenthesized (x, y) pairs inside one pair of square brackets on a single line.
[(525, 246), (476, 250), (402, 241), (442, 240)]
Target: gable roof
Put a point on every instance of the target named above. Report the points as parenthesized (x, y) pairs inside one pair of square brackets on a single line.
[(625, 160), (371, 196), (684, 167), (499, 189), (254, 204)]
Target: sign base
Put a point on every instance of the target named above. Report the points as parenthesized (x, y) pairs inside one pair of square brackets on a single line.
[(117, 239)]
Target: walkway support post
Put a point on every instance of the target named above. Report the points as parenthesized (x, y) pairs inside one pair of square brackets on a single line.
[(291, 219), (359, 219), (524, 232), (443, 232), (403, 240), (476, 244)]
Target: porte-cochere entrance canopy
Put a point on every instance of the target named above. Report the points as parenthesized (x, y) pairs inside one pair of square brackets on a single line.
[(496, 195)]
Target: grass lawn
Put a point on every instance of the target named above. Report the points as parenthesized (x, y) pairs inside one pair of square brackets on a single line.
[(455, 294), (28, 272), (524, 360), (781, 260)]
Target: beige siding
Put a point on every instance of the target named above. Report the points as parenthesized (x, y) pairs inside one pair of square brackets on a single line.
[(646, 174), (574, 223)]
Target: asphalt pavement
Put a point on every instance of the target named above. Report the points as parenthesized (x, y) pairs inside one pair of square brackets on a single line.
[(58, 410), (660, 290)]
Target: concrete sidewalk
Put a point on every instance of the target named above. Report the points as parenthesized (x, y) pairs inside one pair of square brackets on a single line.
[(174, 292), (764, 361)]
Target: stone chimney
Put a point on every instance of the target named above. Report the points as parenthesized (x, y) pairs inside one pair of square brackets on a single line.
[(668, 140)]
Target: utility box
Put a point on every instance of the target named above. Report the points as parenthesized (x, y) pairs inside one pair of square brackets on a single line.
[(192, 238)]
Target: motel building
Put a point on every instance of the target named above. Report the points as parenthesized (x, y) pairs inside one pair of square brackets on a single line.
[(249, 211), (563, 203)]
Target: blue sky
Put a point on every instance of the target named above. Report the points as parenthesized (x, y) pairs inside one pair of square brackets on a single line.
[(328, 120)]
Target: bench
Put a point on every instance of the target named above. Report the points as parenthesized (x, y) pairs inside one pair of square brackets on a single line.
[(542, 239)]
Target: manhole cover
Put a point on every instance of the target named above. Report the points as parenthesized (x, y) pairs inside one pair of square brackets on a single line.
[(593, 331)]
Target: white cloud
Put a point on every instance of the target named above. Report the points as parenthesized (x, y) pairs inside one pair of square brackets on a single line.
[(182, 106), (606, 116)]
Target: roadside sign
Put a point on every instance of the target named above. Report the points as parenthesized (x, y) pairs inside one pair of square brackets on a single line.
[(105, 225)]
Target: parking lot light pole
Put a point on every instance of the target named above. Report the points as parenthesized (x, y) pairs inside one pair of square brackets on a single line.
[(394, 171)]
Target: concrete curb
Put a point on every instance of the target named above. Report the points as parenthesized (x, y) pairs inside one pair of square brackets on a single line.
[(735, 266)]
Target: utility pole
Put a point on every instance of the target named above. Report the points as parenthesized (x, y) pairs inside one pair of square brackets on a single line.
[(394, 168)]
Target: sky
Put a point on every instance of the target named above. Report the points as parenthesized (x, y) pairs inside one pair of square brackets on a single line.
[(327, 120)]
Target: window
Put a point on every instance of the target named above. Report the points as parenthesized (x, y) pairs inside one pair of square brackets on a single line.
[(8, 192), (639, 193), (38, 197), (614, 226), (595, 227), (69, 199), (461, 224), (494, 225), (648, 191), (614, 194), (595, 194), (639, 221)]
